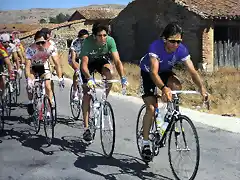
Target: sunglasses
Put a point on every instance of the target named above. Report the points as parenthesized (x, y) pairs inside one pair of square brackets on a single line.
[(102, 35), (40, 42), (175, 41), (6, 42)]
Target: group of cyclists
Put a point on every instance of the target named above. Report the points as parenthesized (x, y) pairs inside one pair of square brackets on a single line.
[(96, 52)]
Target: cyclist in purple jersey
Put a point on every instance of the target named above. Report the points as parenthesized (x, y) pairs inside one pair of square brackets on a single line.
[(156, 71)]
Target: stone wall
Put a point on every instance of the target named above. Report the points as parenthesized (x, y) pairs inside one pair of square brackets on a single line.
[(140, 23), (62, 34)]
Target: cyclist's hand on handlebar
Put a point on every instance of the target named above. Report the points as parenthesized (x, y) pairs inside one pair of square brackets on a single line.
[(124, 81), (205, 95), (91, 83), (167, 92), (61, 82)]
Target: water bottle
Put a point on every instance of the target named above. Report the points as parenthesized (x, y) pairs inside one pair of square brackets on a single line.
[(96, 107), (160, 118)]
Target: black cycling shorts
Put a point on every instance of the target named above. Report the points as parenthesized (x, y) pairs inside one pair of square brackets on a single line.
[(39, 69), (147, 84), (95, 65)]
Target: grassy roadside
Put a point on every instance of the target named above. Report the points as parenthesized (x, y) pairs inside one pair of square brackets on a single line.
[(223, 85)]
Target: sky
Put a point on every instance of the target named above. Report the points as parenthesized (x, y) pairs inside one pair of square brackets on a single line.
[(27, 4)]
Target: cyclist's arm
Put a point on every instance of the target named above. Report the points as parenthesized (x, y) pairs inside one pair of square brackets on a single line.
[(55, 58), (27, 68), (8, 63), (116, 57), (28, 63), (6, 58), (73, 56), (194, 74), (154, 67), (86, 48)]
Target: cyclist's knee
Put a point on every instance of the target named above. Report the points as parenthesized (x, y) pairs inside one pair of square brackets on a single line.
[(174, 83), (150, 109), (107, 73)]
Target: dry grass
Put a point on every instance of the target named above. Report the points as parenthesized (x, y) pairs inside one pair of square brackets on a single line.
[(223, 85)]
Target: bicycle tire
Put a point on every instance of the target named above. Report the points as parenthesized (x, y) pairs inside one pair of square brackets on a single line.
[(183, 117), (75, 115), (18, 86), (46, 102), (2, 119), (137, 132), (14, 93), (54, 109), (7, 100), (35, 116), (108, 155)]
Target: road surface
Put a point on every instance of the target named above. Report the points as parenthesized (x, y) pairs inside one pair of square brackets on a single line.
[(23, 155)]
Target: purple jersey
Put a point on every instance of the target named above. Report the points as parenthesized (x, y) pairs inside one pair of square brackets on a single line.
[(166, 60)]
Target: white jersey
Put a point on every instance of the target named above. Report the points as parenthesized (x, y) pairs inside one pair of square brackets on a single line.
[(12, 48), (76, 46), (40, 57)]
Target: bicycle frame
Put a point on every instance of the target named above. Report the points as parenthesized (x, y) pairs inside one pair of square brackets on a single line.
[(172, 112)]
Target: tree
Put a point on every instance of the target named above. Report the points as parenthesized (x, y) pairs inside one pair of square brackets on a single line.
[(60, 18), (42, 21)]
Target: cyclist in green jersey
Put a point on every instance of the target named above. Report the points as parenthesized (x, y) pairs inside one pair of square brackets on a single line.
[(97, 51)]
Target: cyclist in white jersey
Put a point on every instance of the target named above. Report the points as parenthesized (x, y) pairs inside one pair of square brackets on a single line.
[(73, 58), (38, 63)]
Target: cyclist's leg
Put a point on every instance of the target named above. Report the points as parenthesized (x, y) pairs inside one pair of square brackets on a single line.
[(172, 81), (76, 66), (2, 80), (87, 136), (104, 68), (29, 88), (147, 88)]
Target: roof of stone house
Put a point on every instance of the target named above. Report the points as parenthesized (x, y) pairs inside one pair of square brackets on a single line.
[(213, 9), (50, 26), (17, 27), (98, 13)]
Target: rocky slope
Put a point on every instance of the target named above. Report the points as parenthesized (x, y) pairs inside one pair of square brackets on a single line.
[(34, 15)]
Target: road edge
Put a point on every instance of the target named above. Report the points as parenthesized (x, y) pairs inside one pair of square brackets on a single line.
[(231, 124)]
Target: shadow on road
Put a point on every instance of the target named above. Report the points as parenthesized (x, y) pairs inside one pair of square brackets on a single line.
[(127, 165)]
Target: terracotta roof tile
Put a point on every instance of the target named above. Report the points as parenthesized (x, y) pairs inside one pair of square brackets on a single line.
[(212, 8), (50, 26), (99, 13)]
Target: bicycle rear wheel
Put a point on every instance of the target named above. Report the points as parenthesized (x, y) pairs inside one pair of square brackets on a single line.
[(75, 105), (182, 148), (107, 114), (48, 120), (1, 118), (35, 116), (7, 100), (54, 110)]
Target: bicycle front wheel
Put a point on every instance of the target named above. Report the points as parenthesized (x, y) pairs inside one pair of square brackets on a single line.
[(75, 105), (107, 129), (179, 143), (48, 120)]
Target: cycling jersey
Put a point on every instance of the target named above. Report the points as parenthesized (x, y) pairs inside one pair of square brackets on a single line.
[(94, 51), (76, 46), (40, 57), (11, 48), (3, 54), (166, 60)]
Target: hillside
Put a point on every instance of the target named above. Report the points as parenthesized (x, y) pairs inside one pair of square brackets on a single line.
[(34, 15)]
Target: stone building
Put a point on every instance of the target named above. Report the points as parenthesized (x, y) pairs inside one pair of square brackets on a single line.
[(91, 15), (61, 33), (211, 29)]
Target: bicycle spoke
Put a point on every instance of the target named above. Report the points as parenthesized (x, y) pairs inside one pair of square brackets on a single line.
[(107, 129), (48, 120), (179, 168), (75, 105)]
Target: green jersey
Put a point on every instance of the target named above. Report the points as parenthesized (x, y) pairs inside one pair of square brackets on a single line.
[(91, 49)]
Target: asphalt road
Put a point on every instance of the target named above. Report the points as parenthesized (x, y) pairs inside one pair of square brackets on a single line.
[(24, 156)]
